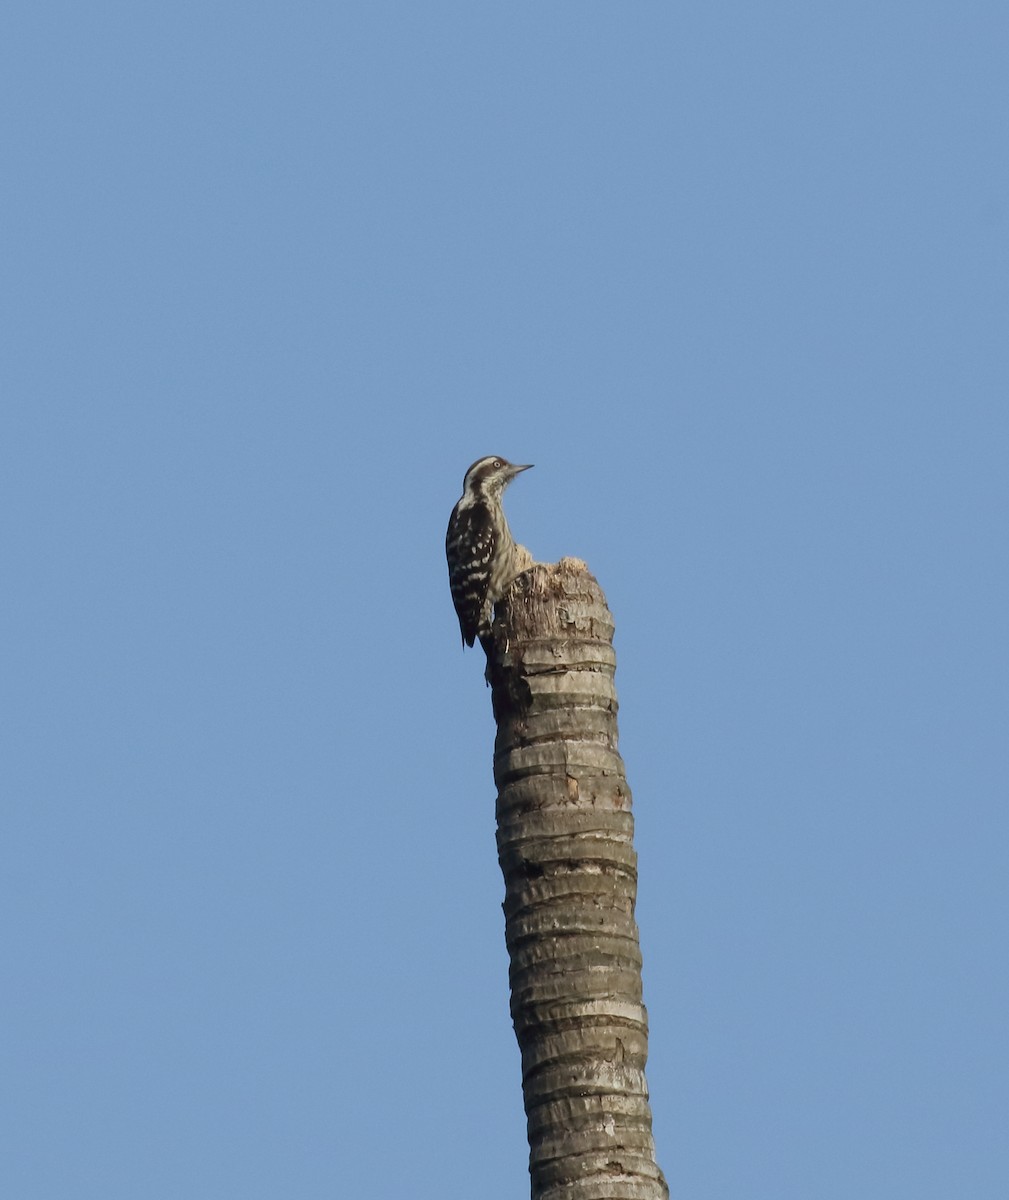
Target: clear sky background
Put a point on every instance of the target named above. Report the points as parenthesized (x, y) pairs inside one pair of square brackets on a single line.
[(734, 277)]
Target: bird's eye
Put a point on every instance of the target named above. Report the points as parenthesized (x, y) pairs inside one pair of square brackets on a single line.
[(498, 462)]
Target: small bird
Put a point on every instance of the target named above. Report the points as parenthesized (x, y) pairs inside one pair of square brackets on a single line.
[(483, 557)]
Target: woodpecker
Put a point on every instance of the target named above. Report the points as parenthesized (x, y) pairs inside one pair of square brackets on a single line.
[(483, 557)]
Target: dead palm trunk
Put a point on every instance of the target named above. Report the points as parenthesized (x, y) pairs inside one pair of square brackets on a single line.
[(565, 846)]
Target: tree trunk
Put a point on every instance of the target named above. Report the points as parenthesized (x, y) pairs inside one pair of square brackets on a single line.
[(565, 845)]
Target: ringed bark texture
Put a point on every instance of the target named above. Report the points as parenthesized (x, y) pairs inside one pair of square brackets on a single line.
[(565, 843)]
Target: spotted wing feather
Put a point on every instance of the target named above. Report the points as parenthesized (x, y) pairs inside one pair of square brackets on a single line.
[(470, 544)]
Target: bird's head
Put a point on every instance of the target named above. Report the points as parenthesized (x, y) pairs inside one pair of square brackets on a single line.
[(490, 476)]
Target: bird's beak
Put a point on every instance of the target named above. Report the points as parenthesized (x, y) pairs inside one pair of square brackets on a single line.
[(517, 470)]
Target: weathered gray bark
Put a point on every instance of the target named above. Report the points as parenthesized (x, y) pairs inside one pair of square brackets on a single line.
[(565, 846)]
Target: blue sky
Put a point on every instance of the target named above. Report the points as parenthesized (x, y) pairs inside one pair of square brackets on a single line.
[(734, 277)]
